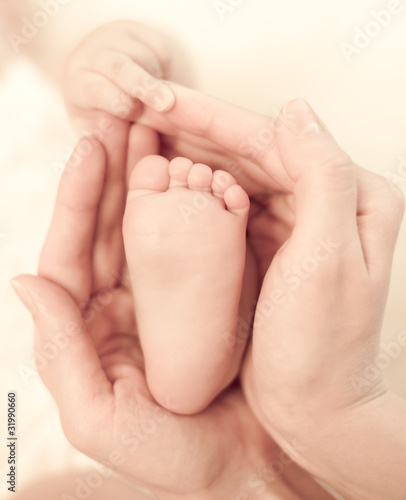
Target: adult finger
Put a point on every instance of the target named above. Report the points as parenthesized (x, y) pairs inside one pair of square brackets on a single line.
[(108, 247), (324, 175), (240, 131), (176, 141), (67, 252), (66, 357)]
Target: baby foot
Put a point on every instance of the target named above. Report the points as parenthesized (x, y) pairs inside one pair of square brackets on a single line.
[(184, 232)]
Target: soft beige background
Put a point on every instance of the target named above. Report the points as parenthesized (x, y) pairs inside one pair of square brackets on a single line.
[(261, 54)]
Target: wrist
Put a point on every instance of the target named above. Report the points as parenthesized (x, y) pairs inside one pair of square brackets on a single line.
[(355, 433), (295, 419)]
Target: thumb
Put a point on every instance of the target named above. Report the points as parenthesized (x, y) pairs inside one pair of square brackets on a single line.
[(325, 187), (65, 355)]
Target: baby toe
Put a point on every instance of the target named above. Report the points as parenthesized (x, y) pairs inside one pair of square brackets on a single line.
[(200, 177), (221, 182), (179, 169)]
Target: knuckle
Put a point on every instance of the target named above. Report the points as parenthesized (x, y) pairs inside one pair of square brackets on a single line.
[(387, 203), (334, 170), (335, 163), (108, 63), (116, 67)]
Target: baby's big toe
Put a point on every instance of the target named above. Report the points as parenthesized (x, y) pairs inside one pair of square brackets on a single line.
[(150, 175)]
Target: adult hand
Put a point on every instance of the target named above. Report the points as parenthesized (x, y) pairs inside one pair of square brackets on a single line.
[(85, 332), (319, 315)]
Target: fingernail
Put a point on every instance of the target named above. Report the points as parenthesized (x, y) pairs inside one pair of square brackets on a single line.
[(300, 119), (23, 295), (163, 100)]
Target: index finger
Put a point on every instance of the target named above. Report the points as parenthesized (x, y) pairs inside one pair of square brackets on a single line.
[(251, 135), (66, 255)]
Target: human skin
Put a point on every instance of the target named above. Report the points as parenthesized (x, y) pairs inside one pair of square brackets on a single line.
[(117, 69), (98, 380), (219, 135), (184, 232), (214, 120), (361, 212), (338, 285)]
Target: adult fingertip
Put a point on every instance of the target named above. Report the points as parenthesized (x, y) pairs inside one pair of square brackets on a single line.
[(298, 117), (163, 99), (307, 147), (22, 289)]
